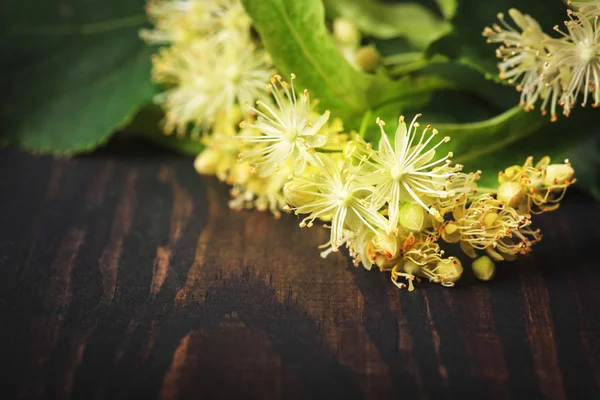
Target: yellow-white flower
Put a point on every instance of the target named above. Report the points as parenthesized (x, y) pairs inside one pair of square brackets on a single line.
[(488, 224), (288, 131), (406, 171), (337, 194), (184, 21), (535, 188), (206, 85), (579, 52), (523, 55), (590, 9)]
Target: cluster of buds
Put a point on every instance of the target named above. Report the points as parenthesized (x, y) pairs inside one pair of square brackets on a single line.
[(535, 189)]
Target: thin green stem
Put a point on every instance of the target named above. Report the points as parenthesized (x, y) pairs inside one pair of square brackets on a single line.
[(364, 123), (403, 58)]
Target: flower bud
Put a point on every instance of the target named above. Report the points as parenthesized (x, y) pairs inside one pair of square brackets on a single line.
[(411, 267), (411, 217), (510, 174), (449, 269), (490, 219), (346, 32), (367, 58), (298, 193), (511, 193), (558, 174), (451, 233), (484, 268), (239, 174), (206, 162)]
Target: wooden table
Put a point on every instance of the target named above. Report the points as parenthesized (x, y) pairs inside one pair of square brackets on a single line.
[(125, 275)]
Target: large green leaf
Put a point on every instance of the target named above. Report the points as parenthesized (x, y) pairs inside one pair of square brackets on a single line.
[(294, 33), (418, 25), (73, 72), (511, 137)]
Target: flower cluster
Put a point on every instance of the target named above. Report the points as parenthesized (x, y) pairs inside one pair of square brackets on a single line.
[(391, 204), (212, 64), (553, 71), (215, 71)]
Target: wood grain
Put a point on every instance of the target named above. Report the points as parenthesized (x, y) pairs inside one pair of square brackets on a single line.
[(129, 277)]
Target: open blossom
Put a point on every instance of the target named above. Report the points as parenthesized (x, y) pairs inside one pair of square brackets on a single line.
[(288, 130), (185, 21), (249, 191), (580, 54), (407, 171), (524, 54), (590, 9), (488, 224), (339, 196), (204, 88), (212, 64)]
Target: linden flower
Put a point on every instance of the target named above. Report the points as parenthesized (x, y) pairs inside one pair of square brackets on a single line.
[(580, 53), (406, 172), (183, 21), (523, 56), (499, 230), (382, 249), (536, 188), (205, 88), (338, 194), (590, 9), (287, 130), (419, 252)]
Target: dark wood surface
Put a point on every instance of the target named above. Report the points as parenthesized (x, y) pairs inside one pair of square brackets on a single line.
[(126, 276)]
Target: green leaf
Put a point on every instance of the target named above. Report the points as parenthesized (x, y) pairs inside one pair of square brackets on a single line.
[(412, 21), (508, 139), (294, 33), (447, 7), (73, 72), (586, 161)]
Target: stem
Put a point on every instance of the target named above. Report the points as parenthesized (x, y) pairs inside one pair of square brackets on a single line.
[(363, 124), (403, 58)]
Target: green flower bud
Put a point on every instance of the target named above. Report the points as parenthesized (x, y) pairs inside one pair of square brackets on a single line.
[(206, 162), (298, 193), (451, 233), (367, 58), (449, 270), (412, 217), (411, 267), (511, 193), (484, 268), (558, 174), (346, 32)]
